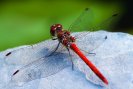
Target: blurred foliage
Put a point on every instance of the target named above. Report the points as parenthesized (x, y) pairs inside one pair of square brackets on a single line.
[(28, 21)]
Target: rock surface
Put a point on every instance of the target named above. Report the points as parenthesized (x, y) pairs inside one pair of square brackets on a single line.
[(114, 58)]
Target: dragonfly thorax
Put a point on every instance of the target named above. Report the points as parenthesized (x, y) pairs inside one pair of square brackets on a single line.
[(65, 38)]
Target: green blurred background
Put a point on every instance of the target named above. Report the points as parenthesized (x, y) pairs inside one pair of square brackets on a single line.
[(24, 22)]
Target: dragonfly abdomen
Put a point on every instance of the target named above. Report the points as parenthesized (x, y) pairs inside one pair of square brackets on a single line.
[(88, 62)]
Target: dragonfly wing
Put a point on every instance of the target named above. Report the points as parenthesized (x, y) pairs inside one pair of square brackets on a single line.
[(83, 22), (107, 23), (91, 41), (41, 68), (27, 54)]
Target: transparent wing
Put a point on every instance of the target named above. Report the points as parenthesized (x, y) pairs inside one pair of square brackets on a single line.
[(25, 55), (83, 22), (107, 23), (104, 25), (41, 68), (91, 41)]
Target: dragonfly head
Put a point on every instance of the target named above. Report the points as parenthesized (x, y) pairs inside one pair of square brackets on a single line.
[(55, 29)]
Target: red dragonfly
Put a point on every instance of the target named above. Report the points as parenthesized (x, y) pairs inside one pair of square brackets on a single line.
[(48, 67), (68, 41)]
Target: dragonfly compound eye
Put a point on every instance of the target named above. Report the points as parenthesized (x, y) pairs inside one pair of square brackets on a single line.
[(55, 28)]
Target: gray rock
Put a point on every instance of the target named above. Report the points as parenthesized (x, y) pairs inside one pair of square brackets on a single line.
[(36, 71)]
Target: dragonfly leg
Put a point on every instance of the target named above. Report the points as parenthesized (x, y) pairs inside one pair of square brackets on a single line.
[(71, 58), (53, 50)]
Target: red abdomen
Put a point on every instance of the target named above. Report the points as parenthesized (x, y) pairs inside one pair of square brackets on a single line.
[(88, 62)]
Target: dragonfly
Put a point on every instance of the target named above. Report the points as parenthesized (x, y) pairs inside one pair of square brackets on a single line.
[(67, 40), (47, 66)]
